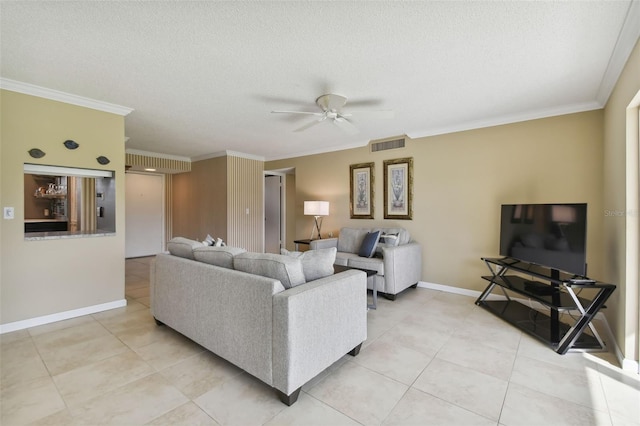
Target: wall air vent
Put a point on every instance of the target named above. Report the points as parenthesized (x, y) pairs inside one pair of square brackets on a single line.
[(383, 146)]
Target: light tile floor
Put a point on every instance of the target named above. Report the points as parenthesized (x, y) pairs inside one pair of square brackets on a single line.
[(431, 358)]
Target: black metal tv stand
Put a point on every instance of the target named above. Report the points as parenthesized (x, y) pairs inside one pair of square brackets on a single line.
[(554, 290)]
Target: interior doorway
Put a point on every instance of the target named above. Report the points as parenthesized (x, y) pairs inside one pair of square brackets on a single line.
[(273, 212), (144, 214)]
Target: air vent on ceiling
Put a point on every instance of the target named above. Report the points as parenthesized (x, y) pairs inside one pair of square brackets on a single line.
[(383, 146)]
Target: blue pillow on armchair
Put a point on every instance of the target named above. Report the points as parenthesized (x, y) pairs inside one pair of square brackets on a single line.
[(368, 247)]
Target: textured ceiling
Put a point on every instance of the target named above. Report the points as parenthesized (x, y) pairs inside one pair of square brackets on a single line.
[(202, 77)]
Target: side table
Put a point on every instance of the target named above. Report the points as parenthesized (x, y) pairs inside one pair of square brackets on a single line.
[(370, 273), (298, 242)]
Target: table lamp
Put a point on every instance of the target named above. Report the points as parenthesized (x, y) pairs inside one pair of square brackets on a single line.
[(317, 209)]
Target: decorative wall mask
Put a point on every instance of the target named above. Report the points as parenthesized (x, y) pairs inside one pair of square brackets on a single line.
[(69, 144), (103, 160), (36, 153)]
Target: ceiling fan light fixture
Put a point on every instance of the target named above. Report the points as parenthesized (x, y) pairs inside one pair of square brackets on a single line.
[(331, 105)]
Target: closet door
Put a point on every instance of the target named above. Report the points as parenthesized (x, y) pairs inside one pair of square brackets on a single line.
[(143, 214), (272, 214)]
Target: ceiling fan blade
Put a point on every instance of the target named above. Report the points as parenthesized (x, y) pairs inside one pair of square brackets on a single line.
[(346, 126), (297, 112), (381, 114), (311, 124)]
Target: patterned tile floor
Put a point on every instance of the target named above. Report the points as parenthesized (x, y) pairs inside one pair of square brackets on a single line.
[(431, 358)]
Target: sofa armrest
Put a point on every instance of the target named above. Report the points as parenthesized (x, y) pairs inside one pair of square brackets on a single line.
[(402, 266), (322, 244), (316, 324)]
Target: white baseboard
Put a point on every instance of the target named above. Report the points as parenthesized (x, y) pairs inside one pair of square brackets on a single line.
[(34, 322), (627, 364)]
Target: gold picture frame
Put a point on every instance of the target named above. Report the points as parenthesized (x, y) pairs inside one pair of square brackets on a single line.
[(361, 190), (398, 189)]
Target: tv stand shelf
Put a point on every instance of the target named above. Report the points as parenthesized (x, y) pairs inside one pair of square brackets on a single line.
[(556, 293)]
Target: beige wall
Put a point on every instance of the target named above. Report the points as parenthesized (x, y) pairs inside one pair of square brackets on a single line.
[(39, 278), (199, 205), (214, 198), (623, 312), (460, 181)]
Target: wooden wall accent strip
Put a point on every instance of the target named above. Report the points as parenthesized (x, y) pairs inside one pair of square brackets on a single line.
[(168, 210), (165, 165), (89, 218), (245, 201)]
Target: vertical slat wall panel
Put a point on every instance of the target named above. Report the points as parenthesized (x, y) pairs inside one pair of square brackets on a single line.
[(89, 218), (245, 193), (72, 208), (168, 210)]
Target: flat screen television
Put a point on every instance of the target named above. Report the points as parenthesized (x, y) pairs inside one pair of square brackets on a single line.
[(550, 235)]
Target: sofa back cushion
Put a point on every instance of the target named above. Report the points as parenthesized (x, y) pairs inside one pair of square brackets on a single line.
[(183, 247), (350, 239), (316, 264), (218, 256), (286, 269)]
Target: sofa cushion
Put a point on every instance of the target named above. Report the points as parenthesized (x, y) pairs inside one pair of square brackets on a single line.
[(342, 258), (350, 239), (368, 247), (183, 247), (218, 256), (316, 264), (286, 269), (374, 263)]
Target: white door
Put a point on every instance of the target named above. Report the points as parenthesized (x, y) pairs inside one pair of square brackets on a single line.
[(144, 209), (272, 213)]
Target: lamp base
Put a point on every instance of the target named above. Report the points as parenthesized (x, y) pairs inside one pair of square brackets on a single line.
[(316, 227)]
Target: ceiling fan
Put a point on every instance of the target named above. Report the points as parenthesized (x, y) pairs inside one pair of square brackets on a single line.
[(331, 106)]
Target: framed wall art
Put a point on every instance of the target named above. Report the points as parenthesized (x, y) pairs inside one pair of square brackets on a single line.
[(398, 188), (361, 191)]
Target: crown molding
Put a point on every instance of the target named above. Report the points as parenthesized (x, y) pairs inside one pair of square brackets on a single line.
[(208, 156), (627, 39), (508, 119), (157, 155), (56, 95), (323, 150)]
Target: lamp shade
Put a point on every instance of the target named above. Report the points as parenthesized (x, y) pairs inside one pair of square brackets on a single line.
[(316, 208)]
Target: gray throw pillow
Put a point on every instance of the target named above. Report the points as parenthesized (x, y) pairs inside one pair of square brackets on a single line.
[(390, 239), (386, 240), (218, 256), (368, 247), (286, 269), (183, 247), (316, 264)]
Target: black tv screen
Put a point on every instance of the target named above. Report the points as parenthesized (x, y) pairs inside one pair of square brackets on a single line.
[(551, 235)]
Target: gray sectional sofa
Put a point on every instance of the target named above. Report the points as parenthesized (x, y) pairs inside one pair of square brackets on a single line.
[(259, 311), (397, 259)]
